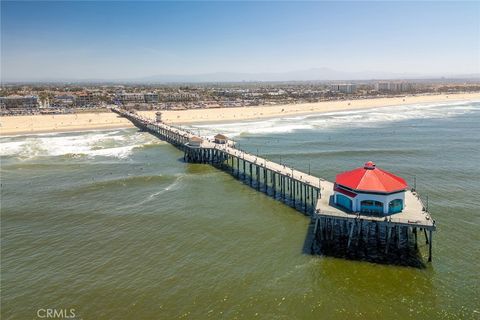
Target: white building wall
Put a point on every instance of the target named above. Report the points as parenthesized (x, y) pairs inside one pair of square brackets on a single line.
[(385, 199)]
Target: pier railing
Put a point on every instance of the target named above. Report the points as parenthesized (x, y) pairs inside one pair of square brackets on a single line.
[(294, 187)]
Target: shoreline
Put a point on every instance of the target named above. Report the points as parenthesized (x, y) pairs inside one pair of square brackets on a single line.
[(61, 123), (37, 124), (70, 130), (305, 113), (262, 112)]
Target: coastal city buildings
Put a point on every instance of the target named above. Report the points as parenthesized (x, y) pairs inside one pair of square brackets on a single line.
[(55, 98), (136, 97), (179, 97)]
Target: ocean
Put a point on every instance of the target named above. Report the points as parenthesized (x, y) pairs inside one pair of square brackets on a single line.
[(114, 225)]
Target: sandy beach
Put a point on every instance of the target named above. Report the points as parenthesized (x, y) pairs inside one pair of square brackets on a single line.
[(17, 125), (30, 124)]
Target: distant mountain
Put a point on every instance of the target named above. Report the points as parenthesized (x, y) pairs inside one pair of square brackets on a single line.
[(313, 74)]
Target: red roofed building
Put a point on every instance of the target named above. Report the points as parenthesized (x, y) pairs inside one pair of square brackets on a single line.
[(370, 190)]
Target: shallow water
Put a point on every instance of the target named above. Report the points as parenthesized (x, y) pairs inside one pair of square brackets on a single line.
[(115, 225)]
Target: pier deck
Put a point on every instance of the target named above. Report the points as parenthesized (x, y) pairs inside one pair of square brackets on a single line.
[(273, 166)]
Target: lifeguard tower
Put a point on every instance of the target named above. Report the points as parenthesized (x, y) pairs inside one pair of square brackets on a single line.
[(158, 117)]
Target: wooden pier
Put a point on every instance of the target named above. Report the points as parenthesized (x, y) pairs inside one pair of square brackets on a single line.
[(308, 194)]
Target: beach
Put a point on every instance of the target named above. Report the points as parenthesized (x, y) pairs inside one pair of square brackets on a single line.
[(31, 124), (17, 125)]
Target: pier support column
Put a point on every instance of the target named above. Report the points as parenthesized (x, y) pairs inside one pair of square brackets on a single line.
[(305, 196), (406, 236), (399, 237), (274, 185), (265, 174), (312, 204), (350, 234), (359, 231), (251, 174), (244, 170), (430, 246), (238, 167), (294, 195), (389, 230), (415, 237), (290, 187), (321, 225), (332, 231), (367, 236), (281, 187), (300, 189)]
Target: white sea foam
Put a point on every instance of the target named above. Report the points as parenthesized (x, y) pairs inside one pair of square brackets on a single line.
[(175, 185), (11, 148), (118, 144), (118, 152), (332, 120)]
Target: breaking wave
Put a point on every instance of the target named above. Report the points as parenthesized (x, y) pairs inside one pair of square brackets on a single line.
[(116, 144), (332, 120)]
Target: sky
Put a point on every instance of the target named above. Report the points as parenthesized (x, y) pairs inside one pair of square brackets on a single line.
[(115, 40)]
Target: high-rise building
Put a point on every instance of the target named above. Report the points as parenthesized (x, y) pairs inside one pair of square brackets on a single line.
[(19, 102), (393, 86), (344, 87), (64, 100), (151, 97), (86, 99)]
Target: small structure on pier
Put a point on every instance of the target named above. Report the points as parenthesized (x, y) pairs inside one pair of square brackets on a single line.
[(370, 190), (195, 142), (158, 116), (221, 139)]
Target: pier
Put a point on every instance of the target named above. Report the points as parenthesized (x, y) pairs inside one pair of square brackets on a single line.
[(308, 194)]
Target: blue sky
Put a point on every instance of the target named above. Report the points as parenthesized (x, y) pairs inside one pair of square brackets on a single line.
[(116, 40)]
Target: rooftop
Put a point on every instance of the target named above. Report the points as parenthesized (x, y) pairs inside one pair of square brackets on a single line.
[(369, 178)]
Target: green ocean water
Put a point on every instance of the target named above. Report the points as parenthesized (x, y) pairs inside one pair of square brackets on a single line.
[(116, 226)]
